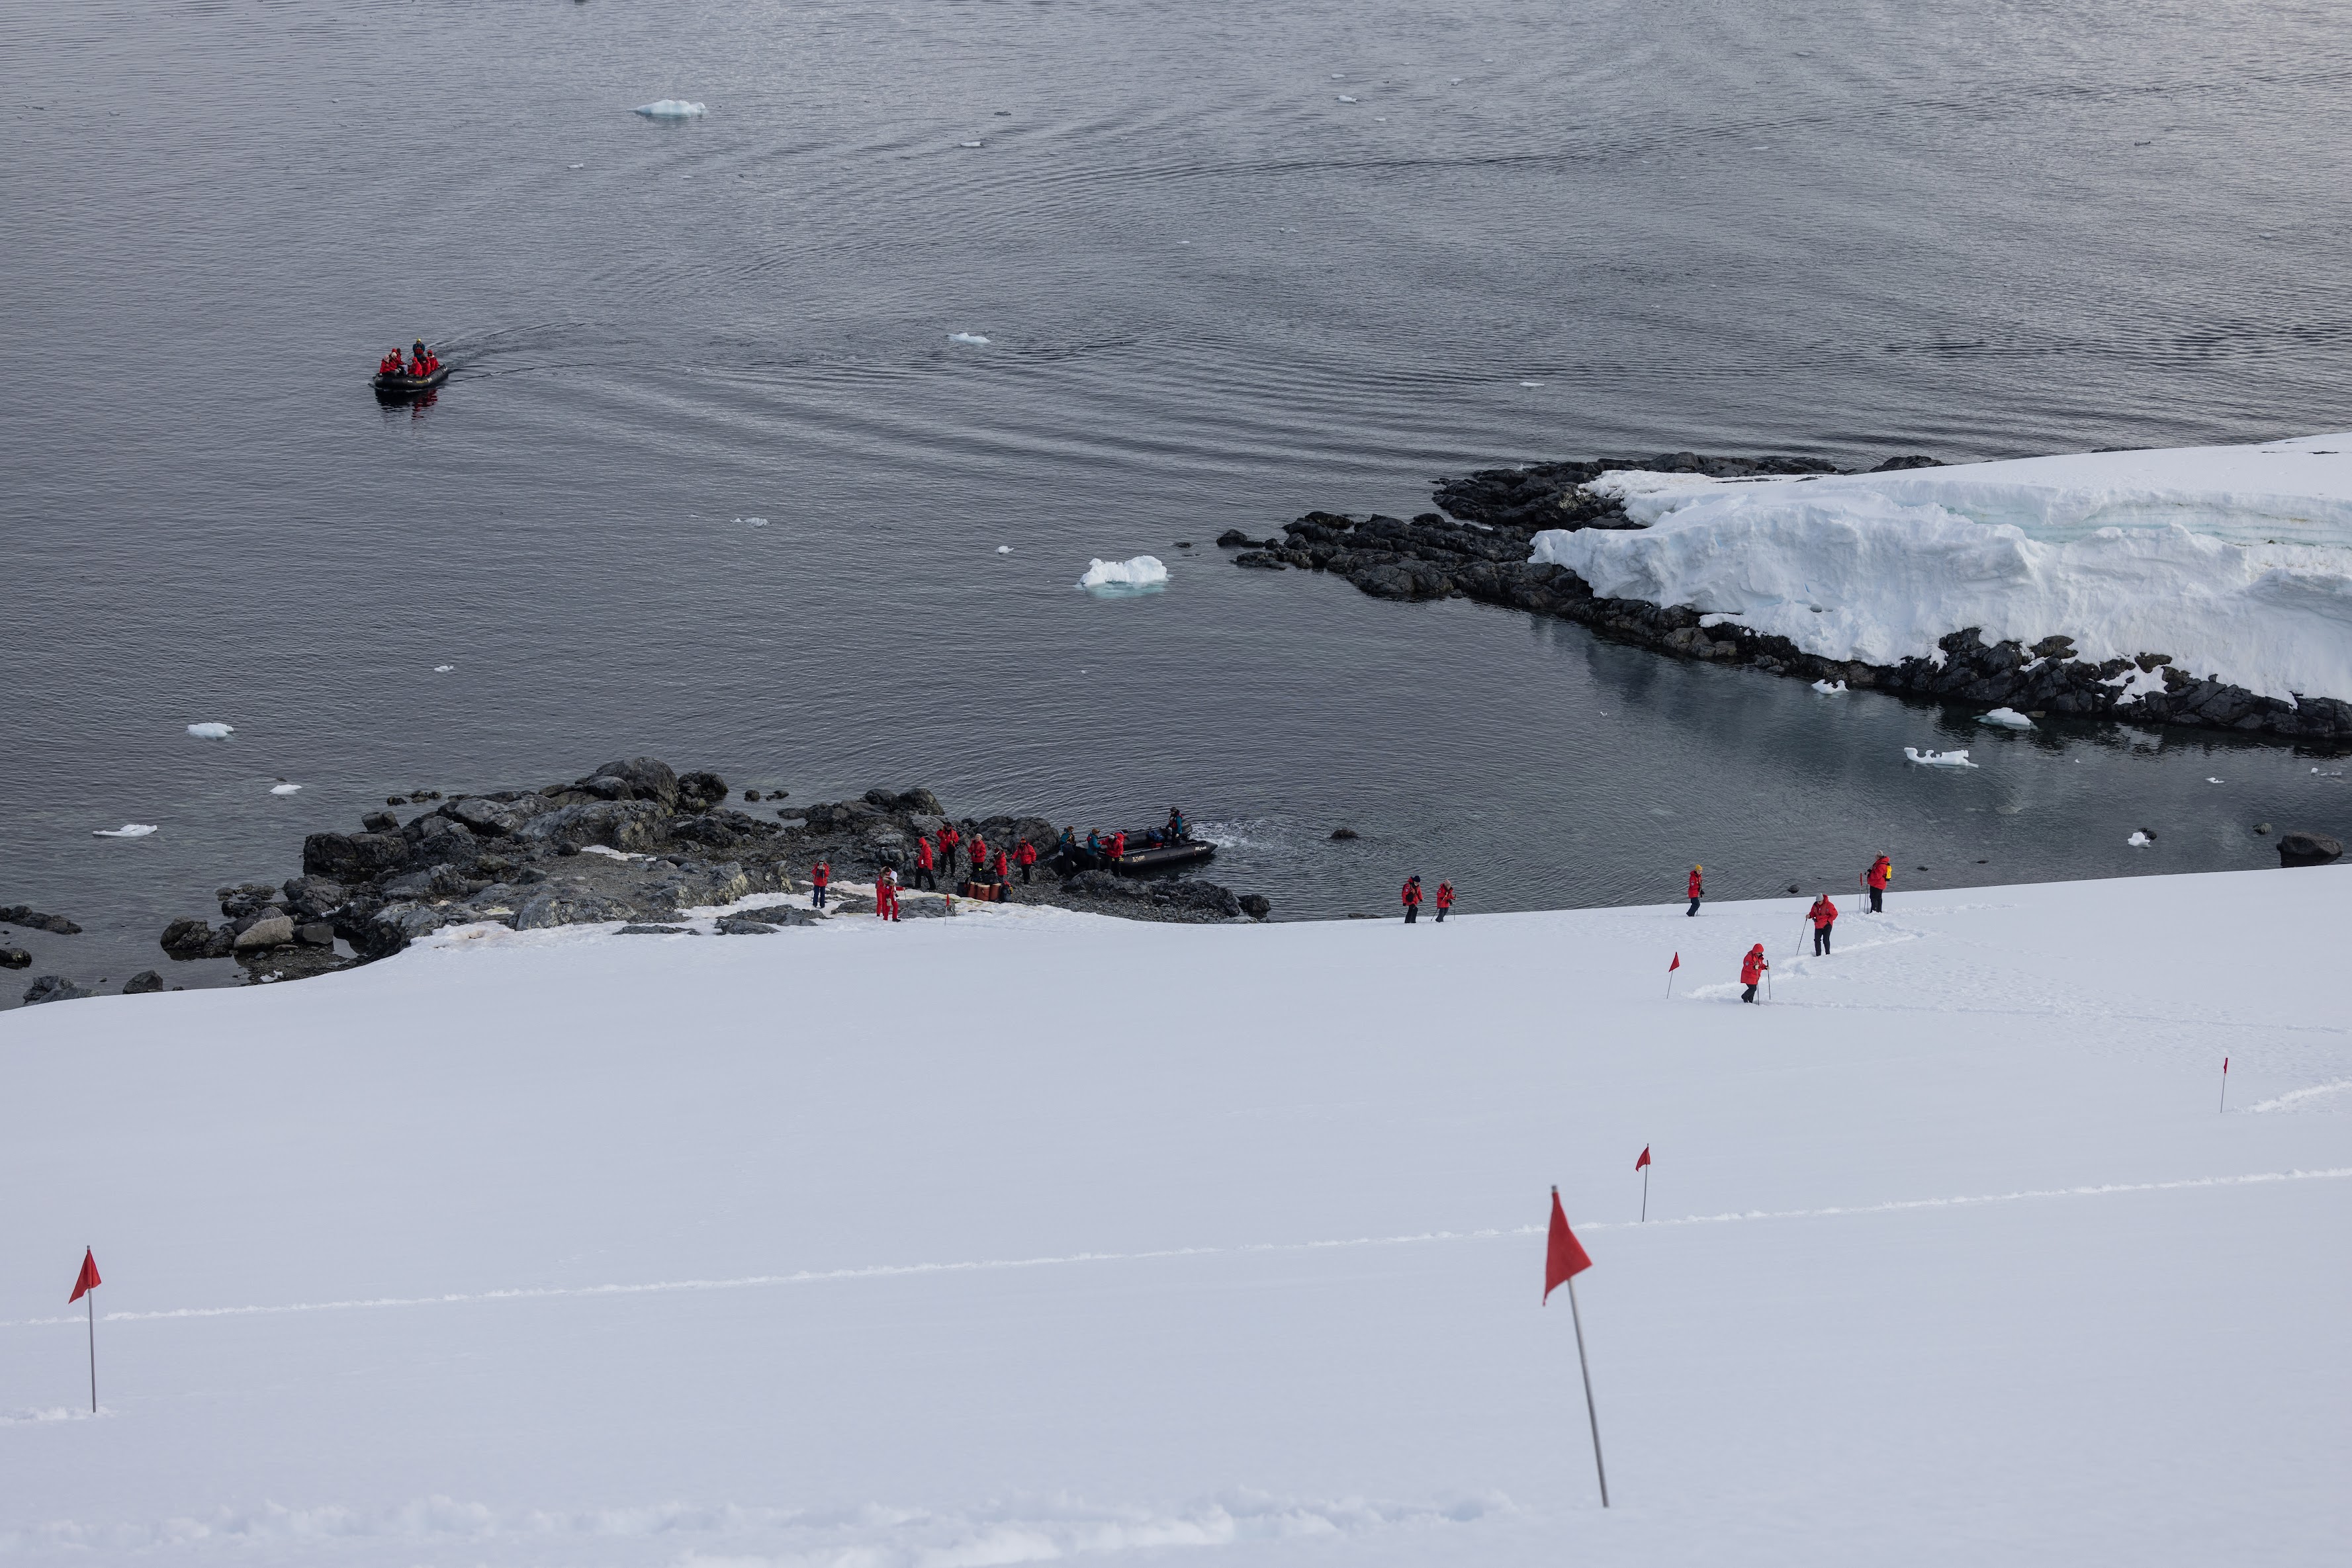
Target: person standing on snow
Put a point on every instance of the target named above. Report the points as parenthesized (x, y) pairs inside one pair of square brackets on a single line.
[(1411, 898), (1697, 890), (1444, 900), (1751, 972), (923, 872), (1823, 914), (1881, 873), (819, 878)]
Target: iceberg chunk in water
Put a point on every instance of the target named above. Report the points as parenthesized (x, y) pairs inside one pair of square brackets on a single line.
[(2007, 717), (1938, 758), (128, 830), (668, 109), (1139, 574), (210, 731)]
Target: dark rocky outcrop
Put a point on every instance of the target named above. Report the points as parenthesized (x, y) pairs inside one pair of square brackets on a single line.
[(192, 939), (55, 988), (2308, 849), (1485, 559), (34, 920), (14, 958), (142, 983)]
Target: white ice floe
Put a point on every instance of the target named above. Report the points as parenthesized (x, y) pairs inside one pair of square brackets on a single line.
[(1531, 384), (2214, 781), (1938, 758), (286, 789), (1344, 99), (2138, 839), (1139, 574), (974, 339), (128, 830), (1830, 688), (2006, 717), (668, 109), (753, 522), (2236, 561), (442, 669), (212, 731), (1004, 549)]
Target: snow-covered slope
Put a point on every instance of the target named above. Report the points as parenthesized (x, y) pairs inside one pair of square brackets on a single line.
[(1029, 1234), (2236, 561)]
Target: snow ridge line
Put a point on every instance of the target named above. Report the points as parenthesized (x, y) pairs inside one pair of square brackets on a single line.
[(2296, 1096), (985, 1265)]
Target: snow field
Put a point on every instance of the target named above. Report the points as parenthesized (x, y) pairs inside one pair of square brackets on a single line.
[(2236, 561), (809, 1249)]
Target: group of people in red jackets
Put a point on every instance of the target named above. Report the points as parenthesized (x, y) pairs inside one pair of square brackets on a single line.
[(1822, 916), (930, 859), (1412, 896), (423, 365)]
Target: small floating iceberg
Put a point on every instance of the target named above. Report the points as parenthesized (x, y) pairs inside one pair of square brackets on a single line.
[(974, 339), (1938, 759), (1004, 549), (286, 789), (1140, 574), (2007, 717), (1344, 99), (968, 143), (668, 109), (442, 669), (2139, 841), (212, 731), (128, 830), (1830, 688)]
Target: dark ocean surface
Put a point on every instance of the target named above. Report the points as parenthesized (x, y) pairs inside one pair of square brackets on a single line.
[(1216, 293)]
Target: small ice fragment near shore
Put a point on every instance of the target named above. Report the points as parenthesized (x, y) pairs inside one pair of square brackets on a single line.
[(1004, 549), (1344, 99), (2007, 717), (753, 522), (210, 731), (1938, 758), (128, 830), (1830, 688), (286, 789), (668, 109), (576, 165), (974, 339), (442, 669), (2216, 782), (610, 854), (2138, 839), (1139, 574), (967, 143)]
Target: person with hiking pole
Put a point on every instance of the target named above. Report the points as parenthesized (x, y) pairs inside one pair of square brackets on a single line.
[(1881, 873), (1752, 969), (1824, 915)]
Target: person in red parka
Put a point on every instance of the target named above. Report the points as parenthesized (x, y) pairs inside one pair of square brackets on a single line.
[(978, 850), (1119, 845), (923, 872), (886, 895), (1823, 914), (1751, 972), (1001, 871), (1025, 859), (1697, 890), (1881, 873), (1444, 900), (1411, 898), (949, 840), (819, 878)]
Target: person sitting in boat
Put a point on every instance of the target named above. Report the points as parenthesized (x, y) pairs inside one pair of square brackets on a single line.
[(423, 364), (390, 365)]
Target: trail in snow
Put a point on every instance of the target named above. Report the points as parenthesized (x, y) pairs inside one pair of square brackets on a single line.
[(2299, 1096), (970, 1266)]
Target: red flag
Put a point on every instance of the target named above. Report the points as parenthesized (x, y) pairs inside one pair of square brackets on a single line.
[(1676, 965), (1644, 1160), (87, 1280), (1564, 1257)]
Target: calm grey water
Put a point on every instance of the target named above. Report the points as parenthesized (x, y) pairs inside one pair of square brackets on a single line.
[(1215, 295)]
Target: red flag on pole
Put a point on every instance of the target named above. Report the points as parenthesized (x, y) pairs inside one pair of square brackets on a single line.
[(1676, 965), (1644, 1160), (1565, 1257), (87, 1280)]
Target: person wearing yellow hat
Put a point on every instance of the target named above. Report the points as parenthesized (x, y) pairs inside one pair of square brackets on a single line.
[(1697, 890)]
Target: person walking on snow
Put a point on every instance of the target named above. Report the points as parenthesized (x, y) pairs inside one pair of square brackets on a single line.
[(1881, 873), (1823, 914), (1411, 898), (1751, 972), (819, 878), (923, 872), (1697, 890), (1444, 900), (886, 895), (1025, 859)]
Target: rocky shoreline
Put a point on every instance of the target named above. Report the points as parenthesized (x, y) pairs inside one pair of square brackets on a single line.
[(1477, 547), (634, 841)]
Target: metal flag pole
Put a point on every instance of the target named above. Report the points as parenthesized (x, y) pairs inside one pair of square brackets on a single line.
[(90, 1299), (1583, 1365), (2225, 1083), (1645, 1199)]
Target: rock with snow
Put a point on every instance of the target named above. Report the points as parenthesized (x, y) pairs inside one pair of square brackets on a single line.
[(1830, 688), (2139, 839)]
